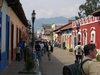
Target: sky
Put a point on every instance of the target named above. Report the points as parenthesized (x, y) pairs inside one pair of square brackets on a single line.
[(51, 8)]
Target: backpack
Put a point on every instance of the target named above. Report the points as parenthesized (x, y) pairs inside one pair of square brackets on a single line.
[(74, 69), (79, 50)]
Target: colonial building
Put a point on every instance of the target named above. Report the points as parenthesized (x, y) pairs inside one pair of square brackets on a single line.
[(67, 35), (86, 30), (64, 35), (46, 31), (53, 36), (13, 25)]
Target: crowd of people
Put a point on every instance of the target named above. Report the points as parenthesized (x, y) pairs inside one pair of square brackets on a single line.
[(43, 47)]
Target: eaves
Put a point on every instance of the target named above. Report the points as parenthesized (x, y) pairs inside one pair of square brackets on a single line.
[(96, 13), (17, 8)]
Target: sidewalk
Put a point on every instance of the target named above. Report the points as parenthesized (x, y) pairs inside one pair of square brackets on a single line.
[(53, 67), (14, 67), (59, 58)]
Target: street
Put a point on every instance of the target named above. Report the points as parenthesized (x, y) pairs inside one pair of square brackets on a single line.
[(59, 58)]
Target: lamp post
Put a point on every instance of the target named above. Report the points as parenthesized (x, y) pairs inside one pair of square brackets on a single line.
[(33, 19), (78, 37)]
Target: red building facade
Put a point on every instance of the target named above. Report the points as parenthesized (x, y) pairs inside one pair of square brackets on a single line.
[(89, 30)]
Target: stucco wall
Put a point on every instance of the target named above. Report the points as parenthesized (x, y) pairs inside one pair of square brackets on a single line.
[(53, 28), (17, 24), (89, 24), (5, 12)]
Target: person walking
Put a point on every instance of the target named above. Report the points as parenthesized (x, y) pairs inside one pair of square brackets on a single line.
[(89, 67), (45, 47), (53, 43), (38, 51), (22, 45), (78, 51), (18, 51), (42, 46), (49, 50)]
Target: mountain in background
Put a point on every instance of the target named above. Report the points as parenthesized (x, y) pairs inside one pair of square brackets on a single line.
[(57, 20)]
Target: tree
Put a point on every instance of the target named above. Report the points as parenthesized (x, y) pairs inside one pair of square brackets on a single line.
[(87, 8)]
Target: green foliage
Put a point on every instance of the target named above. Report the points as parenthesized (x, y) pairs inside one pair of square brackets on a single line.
[(58, 45), (71, 50), (98, 57), (87, 8), (64, 47), (29, 64)]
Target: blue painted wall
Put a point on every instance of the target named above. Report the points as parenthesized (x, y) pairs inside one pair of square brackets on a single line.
[(4, 55), (3, 62), (67, 31), (7, 35), (0, 38)]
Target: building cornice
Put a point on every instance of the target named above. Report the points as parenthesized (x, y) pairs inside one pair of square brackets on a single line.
[(17, 8)]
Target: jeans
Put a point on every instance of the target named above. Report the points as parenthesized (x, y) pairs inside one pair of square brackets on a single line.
[(38, 55), (34, 55), (42, 52)]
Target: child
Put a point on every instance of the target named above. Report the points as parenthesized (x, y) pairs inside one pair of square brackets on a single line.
[(18, 51)]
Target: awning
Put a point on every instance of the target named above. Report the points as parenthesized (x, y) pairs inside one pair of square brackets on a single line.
[(69, 38)]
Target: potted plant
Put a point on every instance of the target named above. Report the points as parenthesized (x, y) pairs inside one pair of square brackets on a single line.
[(71, 50), (29, 65), (64, 48)]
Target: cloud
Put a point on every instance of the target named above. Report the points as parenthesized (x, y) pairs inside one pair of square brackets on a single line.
[(66, 12), (51, 8), (44, 13)]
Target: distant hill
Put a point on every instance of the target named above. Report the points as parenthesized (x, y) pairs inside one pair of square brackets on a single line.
[(57, 20)]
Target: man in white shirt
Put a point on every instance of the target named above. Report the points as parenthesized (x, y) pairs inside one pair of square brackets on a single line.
[(78, 51), (42, 46)]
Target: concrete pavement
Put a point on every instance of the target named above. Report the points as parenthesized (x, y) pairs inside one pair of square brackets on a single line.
[(59, 58), (14, 67), (53, 67)]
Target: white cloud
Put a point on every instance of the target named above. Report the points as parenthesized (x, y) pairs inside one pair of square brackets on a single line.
[(42, 13), (51, 8)]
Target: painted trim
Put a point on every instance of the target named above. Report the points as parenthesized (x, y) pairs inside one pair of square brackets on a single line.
[(93, 33), (79, 33), (0, 35), (92, 28), (84, 37), (7, 35)]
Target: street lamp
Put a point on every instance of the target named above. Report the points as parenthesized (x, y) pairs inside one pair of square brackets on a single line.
[(33, 19)]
